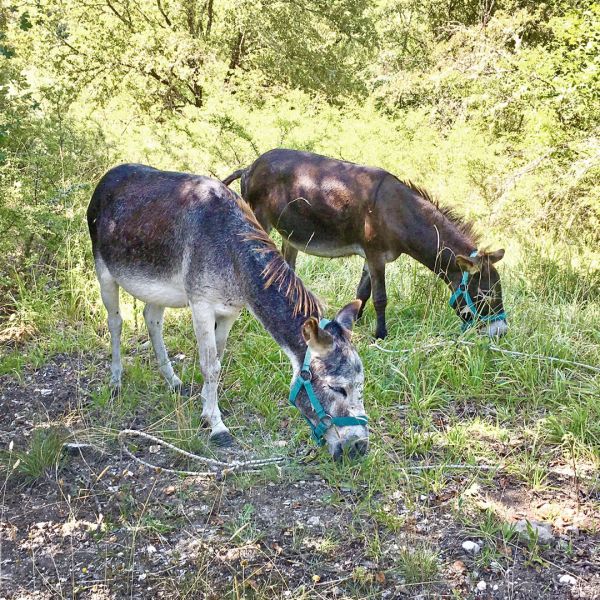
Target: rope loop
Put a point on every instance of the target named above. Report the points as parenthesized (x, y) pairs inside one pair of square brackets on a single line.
[(220, 469)]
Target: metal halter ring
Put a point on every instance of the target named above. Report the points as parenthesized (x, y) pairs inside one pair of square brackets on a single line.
[(306, 374)]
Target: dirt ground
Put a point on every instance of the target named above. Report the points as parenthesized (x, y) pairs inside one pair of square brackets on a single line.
[(104, 527)]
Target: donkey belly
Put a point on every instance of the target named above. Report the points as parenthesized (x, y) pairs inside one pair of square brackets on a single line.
[(327, 248), (163, 292)]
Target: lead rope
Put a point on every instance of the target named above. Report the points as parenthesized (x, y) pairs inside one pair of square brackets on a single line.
[(221, 468), (492, 347)]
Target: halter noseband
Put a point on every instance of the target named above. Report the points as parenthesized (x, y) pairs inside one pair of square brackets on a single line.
[(463, 290), (325, 420)]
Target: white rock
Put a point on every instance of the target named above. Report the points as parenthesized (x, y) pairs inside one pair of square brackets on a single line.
[(314, 520), (150, 550), (567, 580), (572, 529), (541, 529), (482, 586), (471, 547)]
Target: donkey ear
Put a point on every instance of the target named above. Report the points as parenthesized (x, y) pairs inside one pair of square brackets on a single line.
[(318, 340), (347, 315), (468, 264), (496, 256)]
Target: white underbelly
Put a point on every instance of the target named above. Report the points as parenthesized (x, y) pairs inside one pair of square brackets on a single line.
[(328, 250), (154, 291)]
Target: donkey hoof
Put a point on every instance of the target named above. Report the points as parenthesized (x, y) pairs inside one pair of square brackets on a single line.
[(223, 439), (380, 334)]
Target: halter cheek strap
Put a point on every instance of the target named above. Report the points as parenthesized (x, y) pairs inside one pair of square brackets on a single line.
[(463, 290), (324, 420)]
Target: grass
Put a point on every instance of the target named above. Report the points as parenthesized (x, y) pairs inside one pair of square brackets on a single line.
[(418, 564), (431, 402), (43, 456)]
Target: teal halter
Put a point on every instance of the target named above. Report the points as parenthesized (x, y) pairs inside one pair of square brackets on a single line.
[(463, 290), (325, 420)]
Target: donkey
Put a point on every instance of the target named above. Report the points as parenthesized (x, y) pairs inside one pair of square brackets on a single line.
[(176, 240), (334, 208)]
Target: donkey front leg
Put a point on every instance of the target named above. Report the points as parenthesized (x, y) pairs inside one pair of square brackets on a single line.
[(377, 270), (153, 315), (223, 326), (363, 293), (204, 326)]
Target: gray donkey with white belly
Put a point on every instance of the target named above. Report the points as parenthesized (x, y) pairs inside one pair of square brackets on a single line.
[(175, 239)]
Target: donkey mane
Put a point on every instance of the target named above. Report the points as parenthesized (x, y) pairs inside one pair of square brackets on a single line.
[(277, 271), (465, 226)]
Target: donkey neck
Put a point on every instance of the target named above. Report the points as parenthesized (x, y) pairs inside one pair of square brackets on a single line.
[(275, 308), (437, 239)]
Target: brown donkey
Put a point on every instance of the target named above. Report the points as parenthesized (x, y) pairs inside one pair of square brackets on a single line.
[(174, 239), (334, 208)]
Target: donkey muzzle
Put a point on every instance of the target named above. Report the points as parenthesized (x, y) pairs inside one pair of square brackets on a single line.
[(353, 448)]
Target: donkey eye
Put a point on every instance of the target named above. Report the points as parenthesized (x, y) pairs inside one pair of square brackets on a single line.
[(339, 390)]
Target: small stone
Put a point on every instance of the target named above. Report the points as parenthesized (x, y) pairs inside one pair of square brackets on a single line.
[(150, 550), (170, 490), (539, 528), (142, 577), (482, 586), (154, 449), (471, 547), (280, 443), (316, 521), (572, 529), (495, 588), (567, 580)]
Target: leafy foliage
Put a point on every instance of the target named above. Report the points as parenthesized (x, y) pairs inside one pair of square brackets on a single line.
[(491, 105)]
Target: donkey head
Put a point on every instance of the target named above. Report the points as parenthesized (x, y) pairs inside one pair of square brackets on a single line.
[(483, 286), (337, 380)]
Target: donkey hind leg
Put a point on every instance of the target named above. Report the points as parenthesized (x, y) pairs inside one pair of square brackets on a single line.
[(363, 293), (289, 254), (109, 290), (204, 321), (377, 270), (153, 315)]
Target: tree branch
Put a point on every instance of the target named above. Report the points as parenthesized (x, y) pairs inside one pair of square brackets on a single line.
[(163, 13), (126, 22), (210, 17)]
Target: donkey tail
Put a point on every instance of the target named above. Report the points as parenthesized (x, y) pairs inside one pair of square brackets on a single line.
[(235, 175)]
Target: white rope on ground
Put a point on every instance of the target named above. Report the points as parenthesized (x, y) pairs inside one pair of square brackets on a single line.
[(490, 347), (221, 468), (466, 467)]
